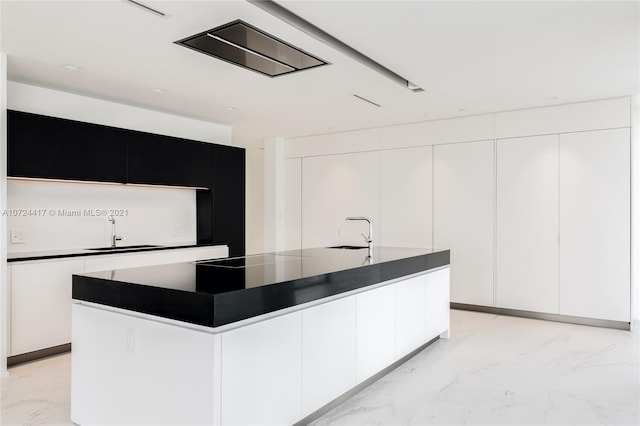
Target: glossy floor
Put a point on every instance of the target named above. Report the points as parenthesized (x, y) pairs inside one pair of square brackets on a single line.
[(494, 370)]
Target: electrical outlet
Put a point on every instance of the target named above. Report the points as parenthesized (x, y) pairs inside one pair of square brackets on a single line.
[(17, 237)]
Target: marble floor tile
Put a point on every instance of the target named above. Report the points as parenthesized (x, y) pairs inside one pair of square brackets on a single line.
[(37, 393), (498, 370), (494, 370)]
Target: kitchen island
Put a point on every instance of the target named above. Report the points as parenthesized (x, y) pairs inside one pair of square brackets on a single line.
[(265, 339)]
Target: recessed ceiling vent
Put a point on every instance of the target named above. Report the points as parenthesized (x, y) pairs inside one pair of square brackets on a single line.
[(249, 47)]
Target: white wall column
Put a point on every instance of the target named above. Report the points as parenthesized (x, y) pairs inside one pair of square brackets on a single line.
[(635, 212), (4, 325), (274, 200)]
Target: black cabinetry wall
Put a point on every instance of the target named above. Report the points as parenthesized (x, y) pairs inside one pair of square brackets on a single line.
[(164, 160), (54, 148)]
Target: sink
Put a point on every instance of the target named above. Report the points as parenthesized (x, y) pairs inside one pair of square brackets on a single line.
[(349, 247), (122, 247)]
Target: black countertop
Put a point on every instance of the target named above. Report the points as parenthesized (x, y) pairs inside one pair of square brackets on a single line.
[(223, 291), (59, 254)]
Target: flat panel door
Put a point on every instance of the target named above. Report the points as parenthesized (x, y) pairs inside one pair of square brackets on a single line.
[(162, 257), (463, 187), (133, 371), (41, 304), (406, 197), (410, 314), (321, 213), (49, 147), (228, 198), (375, 331), (437, 303), (165, 160), (328, 352), (359, 196), (293, 204), (107, 263), (595, 224), (527, 224), (262, 372)]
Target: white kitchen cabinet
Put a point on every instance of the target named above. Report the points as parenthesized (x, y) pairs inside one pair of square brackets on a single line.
[(359, 193), (406, 197), (595, 224), (41, 304), (321, 180), (262, 369), (328, 352), (106, 263), (463, 188), (173, 369), (375, 331), (527, 224), (410, 314), (437, 304), (161, 257)]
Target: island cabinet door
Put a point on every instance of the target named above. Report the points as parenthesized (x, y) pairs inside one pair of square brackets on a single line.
[(410, 314), (136, 371), (375, 330), (262, 372), (437, 304), (328, 352)]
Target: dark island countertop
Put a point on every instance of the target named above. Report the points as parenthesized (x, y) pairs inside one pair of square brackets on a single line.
[(219, 292)]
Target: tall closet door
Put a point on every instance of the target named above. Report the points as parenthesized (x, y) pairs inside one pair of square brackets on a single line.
[(595, 224), (405, 197), (321, 213), (527, 224), (359, 191), (463, 187)]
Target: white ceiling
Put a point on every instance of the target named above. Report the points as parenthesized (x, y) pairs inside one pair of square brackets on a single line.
[(479, 56)]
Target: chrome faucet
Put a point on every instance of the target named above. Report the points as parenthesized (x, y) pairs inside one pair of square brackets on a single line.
[(114, 237), (369, 238)]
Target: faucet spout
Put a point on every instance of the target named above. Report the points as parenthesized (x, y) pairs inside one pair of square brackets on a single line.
[(114, 237), (369, 238)]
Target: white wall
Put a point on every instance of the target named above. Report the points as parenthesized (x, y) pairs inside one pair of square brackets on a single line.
[(56, 103), (46, 214)]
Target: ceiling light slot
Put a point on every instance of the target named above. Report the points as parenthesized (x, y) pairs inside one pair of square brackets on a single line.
[(146, 8), (367, 100), (249, 47)]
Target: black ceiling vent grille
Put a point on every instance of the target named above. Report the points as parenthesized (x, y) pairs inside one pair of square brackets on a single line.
[(249, 47)]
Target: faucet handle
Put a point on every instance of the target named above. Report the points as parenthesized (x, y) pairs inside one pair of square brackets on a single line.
[(366, 238), (119, 238)]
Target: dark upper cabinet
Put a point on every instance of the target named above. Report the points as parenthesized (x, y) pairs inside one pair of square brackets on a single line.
[(229, 198), (163, 160), (39, 146)]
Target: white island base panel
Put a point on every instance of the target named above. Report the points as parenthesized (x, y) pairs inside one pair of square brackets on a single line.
[(143, 370)]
